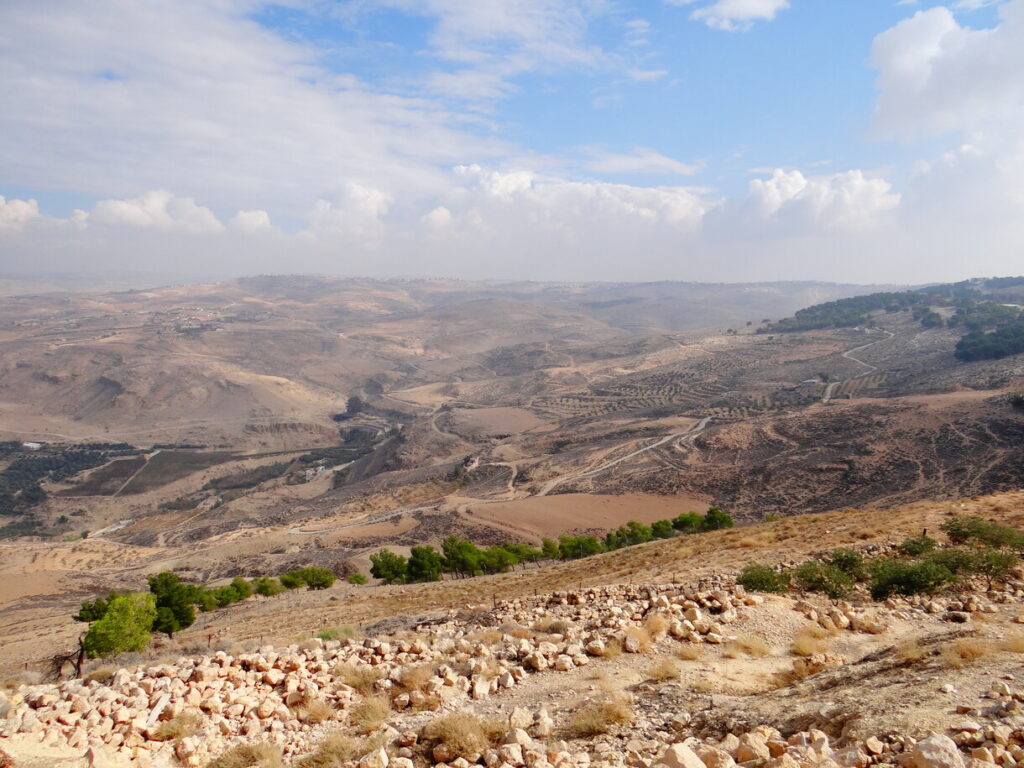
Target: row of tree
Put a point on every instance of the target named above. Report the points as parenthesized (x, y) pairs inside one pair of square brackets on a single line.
[(1002, 342), (463, 559), (123, 621)]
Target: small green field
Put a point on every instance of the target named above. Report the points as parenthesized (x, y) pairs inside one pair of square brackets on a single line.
[(168, 466), (106, 480)]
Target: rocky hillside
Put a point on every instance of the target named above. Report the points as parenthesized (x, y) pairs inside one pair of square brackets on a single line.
[(695, 674)]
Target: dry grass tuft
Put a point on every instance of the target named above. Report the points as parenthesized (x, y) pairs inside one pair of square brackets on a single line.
[(416, 678), (705, 684), (260, 755), (599, 716), (910, 652), (1014, 642), (369, 714), (465, 734), (809, 641), (185, 724), (314, 712), (486, 637), (359, 676), (657, 625), (689, 652), (664, 670), (642, 637), (749, 645), (966, 650), (337, 750)]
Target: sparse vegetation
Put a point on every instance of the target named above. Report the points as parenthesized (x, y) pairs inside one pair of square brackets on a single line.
[(369, 714), (966, 650), (761, 578), (257, 755), (185, 724), (599, 716), (809, 641), (815, 576), (664, 670), (465, 734)]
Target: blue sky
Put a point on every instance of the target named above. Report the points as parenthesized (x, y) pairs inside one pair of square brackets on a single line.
[(705, 139)]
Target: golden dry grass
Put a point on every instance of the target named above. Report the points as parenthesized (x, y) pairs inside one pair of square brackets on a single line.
[(185, 724), (597, 717), (664, 670), (689, 652), (966, 650), (101, 674), (416, 678), (552, 626), (747, 645), (465, 734), (369, 714), (337, 750), (314, 712), (910, 652), (809, 641), (1014, 642), (259, 755), (657, 625), (359, 676)]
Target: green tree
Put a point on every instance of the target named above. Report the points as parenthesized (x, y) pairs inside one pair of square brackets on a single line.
[(497, 560), (688, 522), (461, 557), (993, 564), (424, 564), (242, 587), (389, 567), (317, 578), (549, 548), (175, 602), (94, 610), (715, 519), (662, 529), (125, 626)]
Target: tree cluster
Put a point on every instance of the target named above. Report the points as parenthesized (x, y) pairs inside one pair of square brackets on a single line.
[(119, 619)]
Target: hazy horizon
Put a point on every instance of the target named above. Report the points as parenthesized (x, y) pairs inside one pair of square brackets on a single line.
[(571, 141)]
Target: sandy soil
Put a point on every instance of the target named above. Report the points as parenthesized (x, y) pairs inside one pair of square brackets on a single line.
[(553, 515)]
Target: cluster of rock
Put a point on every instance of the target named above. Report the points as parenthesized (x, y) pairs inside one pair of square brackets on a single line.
[(259, 694), (842, 615)]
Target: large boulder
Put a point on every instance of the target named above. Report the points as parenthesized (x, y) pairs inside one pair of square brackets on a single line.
[(937, 751)]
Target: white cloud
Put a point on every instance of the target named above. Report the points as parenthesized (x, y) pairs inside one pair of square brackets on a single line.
[(356, 214), (735, 15), (640, 160), (438, 219), (844, 201), (251, 221), (159, 210), (15, 214), (936, 76), (646, 75)]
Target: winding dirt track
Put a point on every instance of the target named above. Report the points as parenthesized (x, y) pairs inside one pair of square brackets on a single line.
[(848, 354)]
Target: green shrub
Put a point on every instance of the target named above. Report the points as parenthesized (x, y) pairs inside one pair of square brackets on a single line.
[(891, 576), (916, 546), (124, 627), (815, 576), (356, 578), (954, 559), (425, 564), (761, 578), (267, 586), (715, 520), (850, 562), (961, 529), (292, 580)]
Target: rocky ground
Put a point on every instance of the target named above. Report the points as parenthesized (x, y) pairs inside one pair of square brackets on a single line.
[(681, 675)]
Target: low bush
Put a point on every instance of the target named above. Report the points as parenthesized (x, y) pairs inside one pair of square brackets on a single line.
[(369, 714), (761, 578), (849, 561), (916, 546), (966, 650), (891, 576), (356, 578), (361, 677), (816, 576), (664, 670), (185, 724)]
